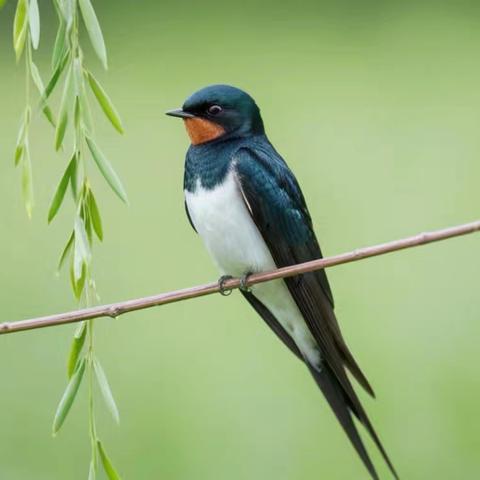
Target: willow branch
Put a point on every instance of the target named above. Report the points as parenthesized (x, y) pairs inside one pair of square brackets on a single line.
[(116, 309)]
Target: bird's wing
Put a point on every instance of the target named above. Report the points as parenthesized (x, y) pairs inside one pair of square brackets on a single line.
[(277, 207)]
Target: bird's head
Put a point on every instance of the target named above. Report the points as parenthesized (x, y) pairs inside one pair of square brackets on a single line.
[(218, 112)]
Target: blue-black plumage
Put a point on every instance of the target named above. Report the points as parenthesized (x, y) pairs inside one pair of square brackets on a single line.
[(249, 210)]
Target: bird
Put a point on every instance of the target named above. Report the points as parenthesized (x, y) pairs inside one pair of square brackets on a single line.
[(247, 206)]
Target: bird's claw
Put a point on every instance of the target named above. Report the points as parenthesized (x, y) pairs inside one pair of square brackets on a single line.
[(243, 283), (221, 284), (227, 291)]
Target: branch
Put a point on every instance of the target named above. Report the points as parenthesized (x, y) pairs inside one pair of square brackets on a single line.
[(116, 309)]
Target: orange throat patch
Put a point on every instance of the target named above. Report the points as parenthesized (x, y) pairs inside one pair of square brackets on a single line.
[(200, 130)]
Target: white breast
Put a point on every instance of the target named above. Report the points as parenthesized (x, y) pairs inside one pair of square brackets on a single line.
[(227, 229), (223, 221)]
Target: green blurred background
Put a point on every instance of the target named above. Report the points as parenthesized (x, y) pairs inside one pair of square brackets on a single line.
[(376, 107)]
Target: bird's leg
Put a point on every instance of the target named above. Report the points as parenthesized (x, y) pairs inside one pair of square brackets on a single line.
[(243, 283), (221, 284)]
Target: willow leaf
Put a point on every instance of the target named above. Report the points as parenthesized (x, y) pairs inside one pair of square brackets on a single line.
[(107, 170), (105, 102), (20, 145), (59, 47), (66, 251), (76, 348), (106, 390), (18, 153), (78, 284), (60, 192), (37, 80), (76, 112), (88, 225), (20, 28), (63, 116), (91, 471), (78, 75), (34, 22), (68, 397), (82, 249), (61, 129), (95, 215), (49, 116), (107, 464), (86, 113), (55, 77), (94, 30)]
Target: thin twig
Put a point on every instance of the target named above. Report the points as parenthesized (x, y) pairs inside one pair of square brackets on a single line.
[(117, 309)]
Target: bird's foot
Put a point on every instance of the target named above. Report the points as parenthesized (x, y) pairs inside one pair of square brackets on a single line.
[(221, 284), (243, 283)]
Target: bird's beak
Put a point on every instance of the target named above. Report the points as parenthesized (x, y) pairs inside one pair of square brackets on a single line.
[(179, 113)]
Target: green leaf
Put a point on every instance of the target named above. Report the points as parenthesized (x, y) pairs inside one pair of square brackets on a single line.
[(91, 471), (95, 215), (82, 95), (86, 113), (18, 153), (61, 189), (20, 28), (61, 128), (59, 48), (78, 75), (105, 102), (37, 80), (20, 145), (107, 170), (55, 77), (2, 3), (34, 22), (68, 397), (49, 116), (94, 30), (74, 177), (88, 226), (106, 390), (27, 184), (63, 115), (77, 285), (76, 348), (66, 251), (76, 112), (107, 464), (82, 249)]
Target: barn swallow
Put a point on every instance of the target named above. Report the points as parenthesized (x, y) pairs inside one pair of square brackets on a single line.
[(247, 206)]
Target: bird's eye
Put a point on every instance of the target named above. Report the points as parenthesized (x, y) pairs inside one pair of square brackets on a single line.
[(214, 109)]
